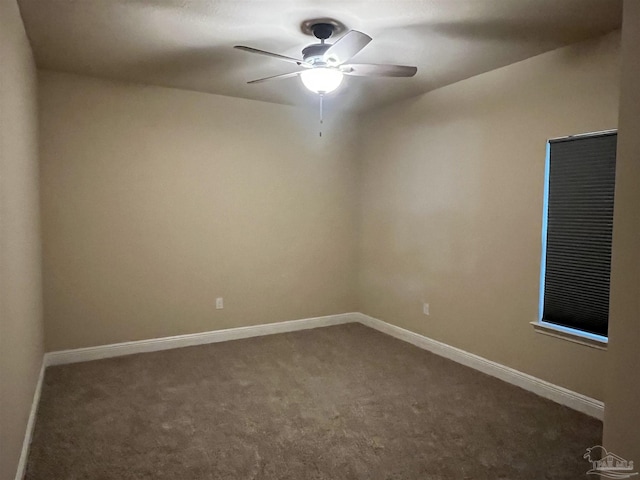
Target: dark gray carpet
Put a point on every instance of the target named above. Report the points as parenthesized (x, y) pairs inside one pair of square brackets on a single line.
[(341, 402)]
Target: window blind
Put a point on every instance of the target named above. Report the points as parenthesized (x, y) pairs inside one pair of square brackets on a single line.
[(579, 230)]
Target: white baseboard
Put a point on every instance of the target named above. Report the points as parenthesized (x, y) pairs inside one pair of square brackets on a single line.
[(563, 396), (31, 423), (155, 344)]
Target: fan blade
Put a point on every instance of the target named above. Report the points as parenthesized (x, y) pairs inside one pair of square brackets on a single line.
[(346, 47), (372, 70), (274, 77), (272, 55)]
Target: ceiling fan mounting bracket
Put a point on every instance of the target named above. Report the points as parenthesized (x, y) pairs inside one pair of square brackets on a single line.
[(322, 28)]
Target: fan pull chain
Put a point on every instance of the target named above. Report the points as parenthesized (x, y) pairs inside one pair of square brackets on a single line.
[(321, 119), (321, 95)]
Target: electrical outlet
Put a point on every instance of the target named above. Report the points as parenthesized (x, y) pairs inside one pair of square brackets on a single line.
[(219, 303), (425, 308)]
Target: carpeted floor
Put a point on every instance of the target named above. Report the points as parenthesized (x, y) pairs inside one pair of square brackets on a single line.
[(342, 402)]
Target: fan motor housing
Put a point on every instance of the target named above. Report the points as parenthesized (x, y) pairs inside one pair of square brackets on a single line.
[(313, 53)]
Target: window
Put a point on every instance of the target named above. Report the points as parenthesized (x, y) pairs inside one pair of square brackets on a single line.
[(577, 230)]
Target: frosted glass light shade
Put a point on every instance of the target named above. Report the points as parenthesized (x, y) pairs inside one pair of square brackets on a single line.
[(321, 79)]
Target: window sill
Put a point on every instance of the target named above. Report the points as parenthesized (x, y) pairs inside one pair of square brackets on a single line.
[(551, 330)]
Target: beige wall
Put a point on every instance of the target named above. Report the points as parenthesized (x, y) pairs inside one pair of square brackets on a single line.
[(451, 205), (156, 201), (622, 410), (21, 343)]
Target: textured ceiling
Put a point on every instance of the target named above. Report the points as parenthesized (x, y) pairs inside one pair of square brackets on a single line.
[(188, 43)]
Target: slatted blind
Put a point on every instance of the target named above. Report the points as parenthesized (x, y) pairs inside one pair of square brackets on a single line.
[(579, 228)]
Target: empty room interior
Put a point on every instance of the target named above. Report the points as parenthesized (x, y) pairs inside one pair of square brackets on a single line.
[(319, 240)]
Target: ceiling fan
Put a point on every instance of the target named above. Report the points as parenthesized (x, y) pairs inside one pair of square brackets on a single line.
[(324, 65)]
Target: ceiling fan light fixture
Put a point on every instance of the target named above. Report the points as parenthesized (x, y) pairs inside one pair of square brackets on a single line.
[(321, 79)]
